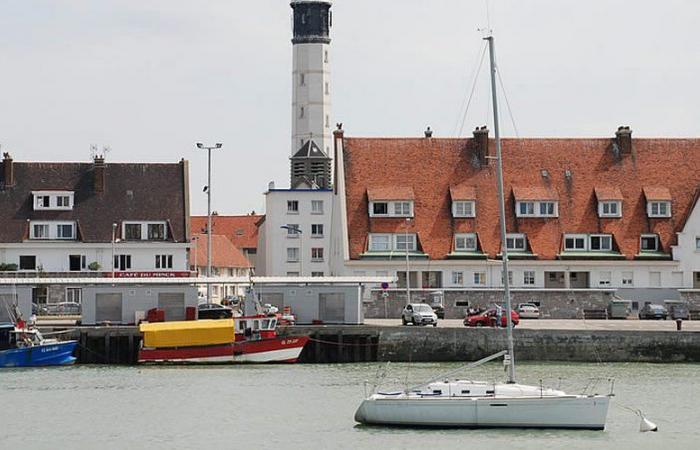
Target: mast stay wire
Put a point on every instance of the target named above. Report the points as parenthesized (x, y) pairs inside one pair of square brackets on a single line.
[(459, 126), (505, 97)]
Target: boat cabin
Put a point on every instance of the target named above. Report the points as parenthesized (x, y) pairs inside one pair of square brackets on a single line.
[(248, 328), (7, 336)]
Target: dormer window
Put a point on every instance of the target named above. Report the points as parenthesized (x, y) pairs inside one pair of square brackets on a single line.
[(52, 230), (390, 201), (151, 231), (535, 201), (649, 243), (588, 242), (53, 200), (516, 242), (463, 208), (659, 209), (610, 209), (465, 242)]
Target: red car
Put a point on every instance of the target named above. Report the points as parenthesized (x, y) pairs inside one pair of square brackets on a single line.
[(488, 318)]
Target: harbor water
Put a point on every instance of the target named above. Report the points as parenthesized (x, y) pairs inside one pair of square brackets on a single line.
[(312, 406)]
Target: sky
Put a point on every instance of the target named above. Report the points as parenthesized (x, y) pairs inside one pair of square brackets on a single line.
[(150, 78)]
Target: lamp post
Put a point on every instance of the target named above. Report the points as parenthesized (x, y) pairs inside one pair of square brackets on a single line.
[(296, 230), (408, 273), (114, 231), (195, 240), (208, 148)]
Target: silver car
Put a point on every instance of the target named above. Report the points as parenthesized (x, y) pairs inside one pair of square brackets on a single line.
[(528, 311), (418, 314)]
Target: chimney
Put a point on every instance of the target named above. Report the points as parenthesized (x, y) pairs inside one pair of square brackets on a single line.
[(99, 173), (428, 133), (481, 144), (623, 138), (8, 170)]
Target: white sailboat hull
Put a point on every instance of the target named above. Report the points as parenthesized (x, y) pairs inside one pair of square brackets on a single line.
[(579, 412)]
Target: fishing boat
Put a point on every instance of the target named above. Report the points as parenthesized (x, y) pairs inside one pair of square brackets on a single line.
[(247, 339), (24, 346), (444, 402)]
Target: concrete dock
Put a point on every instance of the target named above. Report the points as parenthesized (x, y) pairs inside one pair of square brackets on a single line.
[(573, 341)]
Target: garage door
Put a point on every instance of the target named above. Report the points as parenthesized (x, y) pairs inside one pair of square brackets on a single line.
[(6, 302), (108, 307), (173, 303), (331, 307)]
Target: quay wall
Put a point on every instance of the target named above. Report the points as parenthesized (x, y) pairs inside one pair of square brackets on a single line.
[(359, 343)]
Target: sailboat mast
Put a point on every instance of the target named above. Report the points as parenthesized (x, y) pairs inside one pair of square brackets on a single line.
[(502, 211)]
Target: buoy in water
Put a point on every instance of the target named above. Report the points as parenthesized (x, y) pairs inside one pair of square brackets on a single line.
[(646, 424)]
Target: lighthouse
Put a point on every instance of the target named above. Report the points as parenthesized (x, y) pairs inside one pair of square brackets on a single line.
[(311, 99)]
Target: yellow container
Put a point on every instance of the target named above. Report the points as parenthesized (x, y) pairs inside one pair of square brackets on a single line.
[(190, 333)]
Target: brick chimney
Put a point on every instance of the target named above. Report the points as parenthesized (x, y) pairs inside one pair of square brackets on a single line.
[(8, 170), (623, 139), (481, 144), (99, 173)]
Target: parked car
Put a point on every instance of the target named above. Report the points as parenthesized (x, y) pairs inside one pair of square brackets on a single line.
[(61, 309), (679, 311), (489, 318), (214, 311), (653, 311), (528, 311), (439, 311), (418, 314)]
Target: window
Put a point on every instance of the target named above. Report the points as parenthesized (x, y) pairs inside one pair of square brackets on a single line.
[(132, 231), (74, 294), (302, 80), (164, 261), (293, 230), (379, 242), (122, 262), (610, 209), (76, 262), (510, 278), (380, 208), (659, 209), (301, 112), (516, 242), (465, 242), (325, 56), (601, 242), (64, 231), (604, 279), (42, 202), (628, 278), (575, 242), (316, 274), (697, 243), (402, 209), (328, 121), (27, 262), (458, 278), (316, 206), (317, 230), (463, 208), (537, 209), (63, 201), (292, 207), (480, 278), (655, 279), (54, 200), (328, 89), (317, 254), (40, 231), (156, 231), (292, 254), (649, 243), (529, 278), (405, 242), (292, 274)]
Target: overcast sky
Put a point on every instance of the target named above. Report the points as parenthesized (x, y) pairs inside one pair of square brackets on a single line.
[(149, 78)]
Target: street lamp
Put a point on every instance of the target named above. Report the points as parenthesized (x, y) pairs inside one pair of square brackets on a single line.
[(208, 191), (296, 230), (114, 232), (195, 240), (408, 273)]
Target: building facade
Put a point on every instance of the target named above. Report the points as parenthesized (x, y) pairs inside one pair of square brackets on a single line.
[(226, 261), (92, 219), (241, 230)]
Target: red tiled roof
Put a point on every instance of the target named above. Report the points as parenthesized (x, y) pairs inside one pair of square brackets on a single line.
[(463, 192), (242, 231), (603, 193), (223, 252), (525, 193), (432, 166), (389, 193), (657, 193)]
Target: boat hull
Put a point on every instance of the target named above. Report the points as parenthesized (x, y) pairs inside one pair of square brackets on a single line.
[(54, 354), (575, 412), (271, 350)]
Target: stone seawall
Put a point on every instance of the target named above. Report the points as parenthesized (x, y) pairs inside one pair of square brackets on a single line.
[(554, 303), (409, 344)]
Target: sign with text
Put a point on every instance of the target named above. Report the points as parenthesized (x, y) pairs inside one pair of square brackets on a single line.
[(172, 274)]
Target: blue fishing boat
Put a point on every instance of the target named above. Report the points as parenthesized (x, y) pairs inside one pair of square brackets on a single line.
[(21, 346)]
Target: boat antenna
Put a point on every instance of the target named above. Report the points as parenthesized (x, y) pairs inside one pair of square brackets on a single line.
[(501, 208)]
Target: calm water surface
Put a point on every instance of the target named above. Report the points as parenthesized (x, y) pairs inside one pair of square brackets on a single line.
[(311, 406)]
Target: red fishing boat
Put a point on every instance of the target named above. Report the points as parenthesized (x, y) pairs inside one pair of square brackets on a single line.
[(248, 339)]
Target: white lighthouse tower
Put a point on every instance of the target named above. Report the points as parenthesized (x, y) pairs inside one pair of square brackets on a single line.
[(311, 88)]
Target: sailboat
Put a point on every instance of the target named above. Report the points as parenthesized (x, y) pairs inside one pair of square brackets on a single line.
[(445, 402)]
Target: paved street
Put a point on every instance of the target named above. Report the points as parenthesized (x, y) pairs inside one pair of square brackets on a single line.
[(562, 324)]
